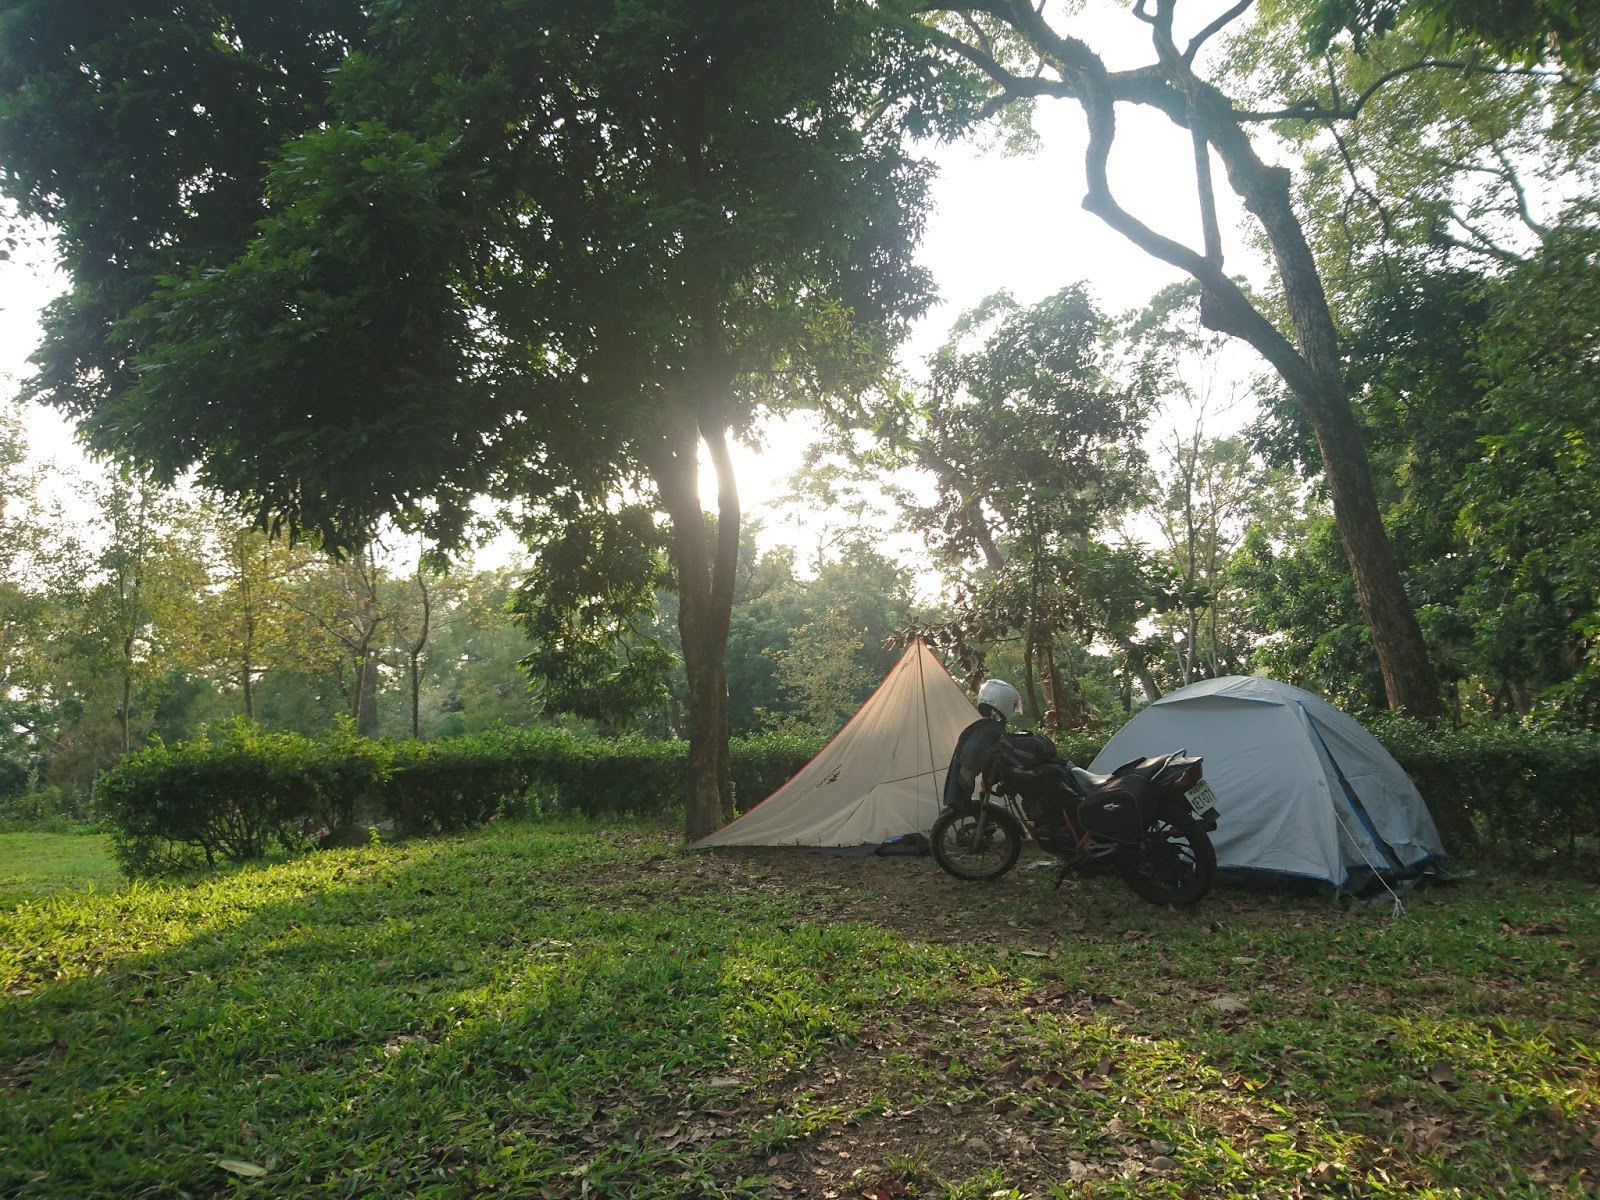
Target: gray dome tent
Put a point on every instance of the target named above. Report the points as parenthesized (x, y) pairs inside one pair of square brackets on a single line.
[(1303, 790)]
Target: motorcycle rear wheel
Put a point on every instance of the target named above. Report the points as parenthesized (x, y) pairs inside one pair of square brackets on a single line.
[(1176, 866), (962, 850)]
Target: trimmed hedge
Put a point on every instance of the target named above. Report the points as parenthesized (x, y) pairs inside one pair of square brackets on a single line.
[(231, 793), (237, 790), (1504, 790)]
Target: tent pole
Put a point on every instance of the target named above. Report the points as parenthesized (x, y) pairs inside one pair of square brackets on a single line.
[(927, 725)]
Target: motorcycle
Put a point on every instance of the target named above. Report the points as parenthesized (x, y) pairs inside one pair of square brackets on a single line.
[(1148, 820)]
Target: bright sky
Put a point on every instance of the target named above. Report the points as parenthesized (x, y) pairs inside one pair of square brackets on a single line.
[(999, 223)]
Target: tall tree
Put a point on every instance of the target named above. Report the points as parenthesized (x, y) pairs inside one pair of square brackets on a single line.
[(1027, 57), (1032, 446), (250, 626), (347, 614), (549, 251)]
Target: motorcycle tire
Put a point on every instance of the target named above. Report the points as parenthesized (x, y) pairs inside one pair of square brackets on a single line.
[(958, 850), (1175, 866)]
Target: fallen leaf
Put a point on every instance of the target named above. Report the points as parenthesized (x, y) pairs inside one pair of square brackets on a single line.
[(1228, 1004), (238, 1166), (1443, 1075)]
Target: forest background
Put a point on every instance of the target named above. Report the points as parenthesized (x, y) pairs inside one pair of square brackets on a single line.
[(1077, 522)]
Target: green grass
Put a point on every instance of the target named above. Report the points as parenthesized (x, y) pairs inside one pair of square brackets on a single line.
[(33, 865), (560, 1011)]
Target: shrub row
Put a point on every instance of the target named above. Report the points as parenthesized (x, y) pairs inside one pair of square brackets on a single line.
[(237, 790), (1501, 789)]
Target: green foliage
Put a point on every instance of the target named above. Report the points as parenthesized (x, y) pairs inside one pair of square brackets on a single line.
[(584, 604), (1520, 794), (820, 676), (232, 793), (1031, 442), (1528, 31), (1303, 600), (1028, 436), (238, 791), (1477, 394), (457, 782)]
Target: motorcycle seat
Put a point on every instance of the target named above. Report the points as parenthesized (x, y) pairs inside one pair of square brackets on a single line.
[(1088, 781)]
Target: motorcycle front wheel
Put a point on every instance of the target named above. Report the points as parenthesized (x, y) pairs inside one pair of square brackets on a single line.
[(983, 844), (1175, 866)]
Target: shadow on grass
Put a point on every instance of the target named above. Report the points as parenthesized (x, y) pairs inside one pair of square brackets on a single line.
[(537, 1011), (404, 1021)]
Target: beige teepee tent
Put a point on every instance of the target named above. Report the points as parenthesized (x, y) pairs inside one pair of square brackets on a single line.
[(881, 776)]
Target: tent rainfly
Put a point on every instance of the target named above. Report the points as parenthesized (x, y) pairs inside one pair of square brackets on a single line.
[(1303, 790), (882, 775)]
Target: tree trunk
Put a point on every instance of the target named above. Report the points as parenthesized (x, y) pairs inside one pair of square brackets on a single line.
[(705, 598), (367, 697), (416, 698), (1315, 376), (1030, 646), (127, 695), (1139, 669)]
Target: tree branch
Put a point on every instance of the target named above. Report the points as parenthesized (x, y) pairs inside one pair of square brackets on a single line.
[(1211, 30), (1479, 244), (1515, 181), (1360, 188), (1313, 110)]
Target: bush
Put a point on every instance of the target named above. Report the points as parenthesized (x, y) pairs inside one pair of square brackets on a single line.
[(50, 809), (764, 762), (1500, 788), (236, 791), (231, 793), (458, 782)]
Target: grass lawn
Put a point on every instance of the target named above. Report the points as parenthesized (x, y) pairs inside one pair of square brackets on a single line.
[(555, 1012), (33, 865)]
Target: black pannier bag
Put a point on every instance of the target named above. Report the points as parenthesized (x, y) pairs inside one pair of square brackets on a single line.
[(1118, 812)]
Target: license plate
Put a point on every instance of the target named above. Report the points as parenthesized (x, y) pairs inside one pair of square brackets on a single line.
[(1201, 798)]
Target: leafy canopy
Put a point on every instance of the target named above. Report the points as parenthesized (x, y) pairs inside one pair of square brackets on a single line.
[(354, 260)]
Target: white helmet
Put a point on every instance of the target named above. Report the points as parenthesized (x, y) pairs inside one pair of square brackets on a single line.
[(1000, 696)]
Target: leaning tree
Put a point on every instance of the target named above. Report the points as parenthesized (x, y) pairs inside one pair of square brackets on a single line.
[(1027, 56), (353, 259)]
